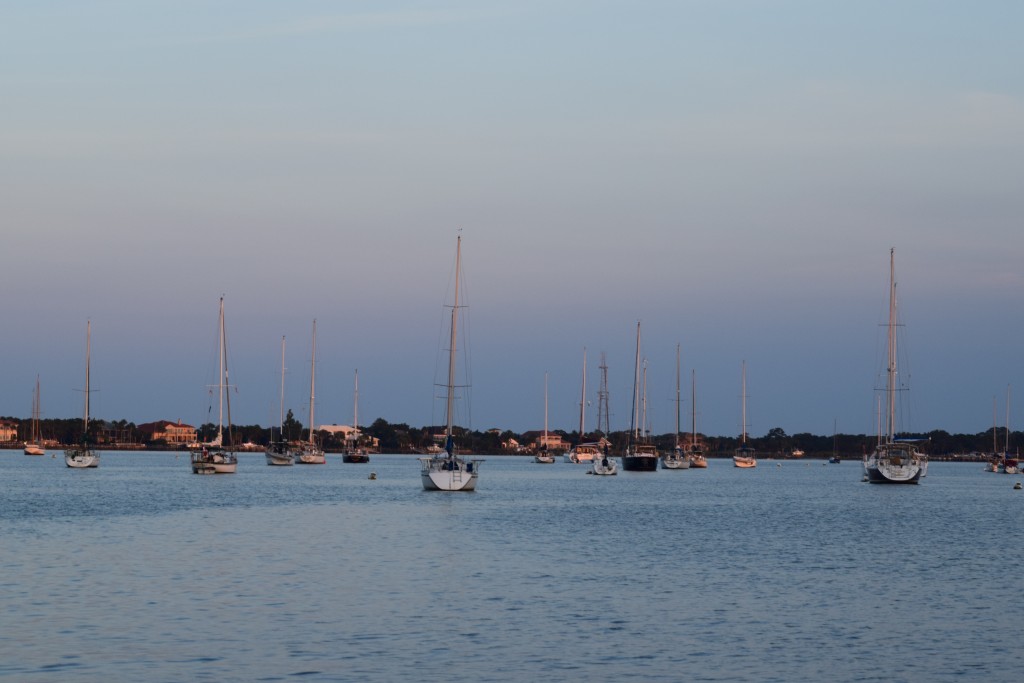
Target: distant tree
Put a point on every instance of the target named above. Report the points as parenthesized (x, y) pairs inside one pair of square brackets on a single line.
[(292, 427)]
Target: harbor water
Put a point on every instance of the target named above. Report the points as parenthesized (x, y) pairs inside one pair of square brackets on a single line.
[(794, 571)]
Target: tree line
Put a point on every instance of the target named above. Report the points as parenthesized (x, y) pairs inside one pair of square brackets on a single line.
[(403, 438)]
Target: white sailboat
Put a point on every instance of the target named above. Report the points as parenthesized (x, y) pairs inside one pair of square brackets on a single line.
[(34, 445), (695, 450), (446, 471), (1010, 464), (676, 459), (82, 455), (544, 456), (215, 457), (641, 455), (745, 457), (356, 453), (309, 452), (279, 452), (893, 461), (583, 451)]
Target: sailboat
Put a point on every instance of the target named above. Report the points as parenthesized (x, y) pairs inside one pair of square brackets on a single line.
[(1010, 464), (835, 459), (446, 471), (279, 452), (215, 457), (676, 459), (893, 461), (356, 453), (82, 455), (640, 455), (543, 456), (745, 457), (695, 450), (34, 445), (583, 451), (309, 452)]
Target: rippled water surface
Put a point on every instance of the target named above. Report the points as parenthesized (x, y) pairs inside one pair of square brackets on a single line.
[(795, 571)]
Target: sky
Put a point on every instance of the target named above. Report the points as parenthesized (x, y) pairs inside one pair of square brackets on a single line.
[(731, 174)]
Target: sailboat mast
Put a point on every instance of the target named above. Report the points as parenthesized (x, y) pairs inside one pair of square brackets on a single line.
[(36, 409), (678, 400), (225, 379), (603, 416), (644, 429), (1007, 450), (88, 342), (312, 385), (280, 426), (743, 399), (634, 416), (355, 407), (693, 408), (545, 411), (995, 442), (451, 346), (583, 396), (891, 343)]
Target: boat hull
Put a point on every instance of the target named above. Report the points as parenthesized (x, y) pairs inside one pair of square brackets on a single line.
[(214, 463), (279, 458), (604, 466), (81, 458), (34, 449), (544, 459), (895, 464), (449, 474), (675, 462), (358, 458), (744, 462), (582, 453)]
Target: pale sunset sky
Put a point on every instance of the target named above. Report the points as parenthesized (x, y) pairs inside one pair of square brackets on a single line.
[(731, 173)]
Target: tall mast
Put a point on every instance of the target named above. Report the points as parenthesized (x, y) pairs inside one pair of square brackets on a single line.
[(1007, 451), (583, 396), (743, 398), (312, 385), (280, 425), (88, 341), (355, 407), (634, 417), (644, 428), (995, 443), (225, 378), (693, 408), (891, 339), (545, 411), (603, 416), (677, 397), (451, 347)]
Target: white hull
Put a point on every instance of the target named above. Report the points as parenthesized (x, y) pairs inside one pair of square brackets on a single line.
[(449, 474), (744, 462), (311, 458), (279, 458), (544, 459), (675, 462), (585, 452), (891, 464), (80, 459), (214, 463), (34, 449), (604, 466)]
